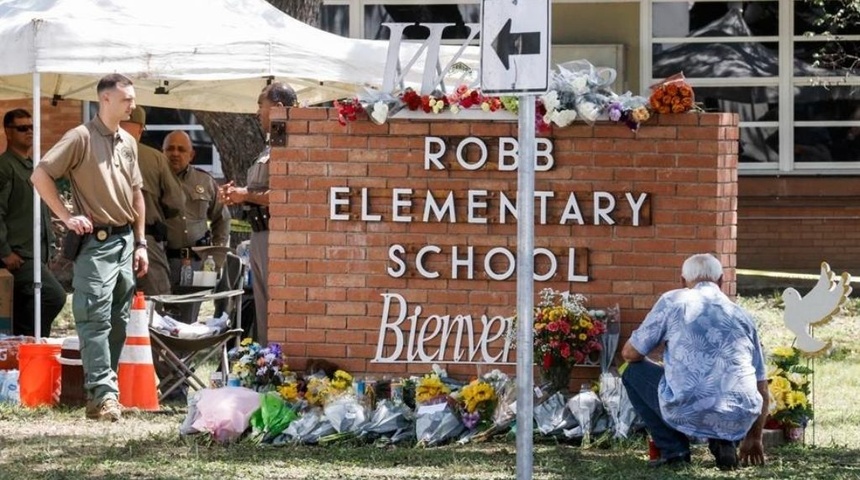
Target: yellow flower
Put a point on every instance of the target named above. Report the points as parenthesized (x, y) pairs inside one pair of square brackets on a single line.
[(476, 393), (583, 337), (796, 399), (247, 341), (485, 106), (779, 385), (783, 352), (289, 392), (429, 387)]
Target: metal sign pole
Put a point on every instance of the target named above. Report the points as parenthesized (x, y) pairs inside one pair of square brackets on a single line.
[(525, 286)]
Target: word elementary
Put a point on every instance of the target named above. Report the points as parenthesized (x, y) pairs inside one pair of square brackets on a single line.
[(564, 209)]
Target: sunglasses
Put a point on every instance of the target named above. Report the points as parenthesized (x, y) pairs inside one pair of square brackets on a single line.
[(21, 128)]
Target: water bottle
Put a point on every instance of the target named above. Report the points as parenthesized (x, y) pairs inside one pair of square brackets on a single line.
[(186, 273), (209, 264)]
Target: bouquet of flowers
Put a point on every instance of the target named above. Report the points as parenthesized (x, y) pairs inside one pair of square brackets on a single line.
[(430, 387), (565, 334), (258, 368), (788, 383), (673, 95), (477, 404)]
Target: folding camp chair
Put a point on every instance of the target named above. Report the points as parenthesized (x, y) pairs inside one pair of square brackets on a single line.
[(184, 355)]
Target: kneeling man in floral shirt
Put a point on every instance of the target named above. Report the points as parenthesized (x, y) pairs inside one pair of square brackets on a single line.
[(713, 382)]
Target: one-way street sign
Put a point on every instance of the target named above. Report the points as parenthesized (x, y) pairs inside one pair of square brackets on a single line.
[(515, 41)]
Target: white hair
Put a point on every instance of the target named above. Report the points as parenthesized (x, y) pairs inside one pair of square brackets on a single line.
[(702, 267)]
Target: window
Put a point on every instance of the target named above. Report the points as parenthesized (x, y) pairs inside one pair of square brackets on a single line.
[(736, 55)]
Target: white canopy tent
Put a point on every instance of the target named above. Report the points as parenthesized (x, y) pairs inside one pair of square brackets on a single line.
[(214, 55)]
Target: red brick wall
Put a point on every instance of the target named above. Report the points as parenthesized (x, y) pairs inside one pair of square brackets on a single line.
[(327, 276), (792, 224), (56, 120)]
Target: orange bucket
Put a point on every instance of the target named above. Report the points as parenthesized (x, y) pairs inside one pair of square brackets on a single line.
[(39, 381)]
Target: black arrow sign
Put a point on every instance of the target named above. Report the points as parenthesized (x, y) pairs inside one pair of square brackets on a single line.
[(507, 44)]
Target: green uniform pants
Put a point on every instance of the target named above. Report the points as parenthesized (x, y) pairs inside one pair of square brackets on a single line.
[(53, 298), (104, 285)]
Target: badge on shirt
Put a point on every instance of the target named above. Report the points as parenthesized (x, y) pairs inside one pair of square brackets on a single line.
[(126, 154), (199, 189)]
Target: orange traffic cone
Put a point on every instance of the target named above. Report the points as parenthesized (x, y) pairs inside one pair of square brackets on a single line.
[(136, 374)]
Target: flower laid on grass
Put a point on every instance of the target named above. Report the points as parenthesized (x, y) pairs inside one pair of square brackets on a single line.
[(259, 368), (342, 381), (430, 387), (789, 386), (477, 404), (317, 390)]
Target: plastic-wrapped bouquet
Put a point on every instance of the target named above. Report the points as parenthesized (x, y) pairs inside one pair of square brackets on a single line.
[(672, 95), (788, 383), (259, 368), (477, 404), (436, 418)]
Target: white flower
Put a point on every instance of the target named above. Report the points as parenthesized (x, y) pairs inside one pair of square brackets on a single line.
[(579, 85), (455, 109), (380, 112), (588, 111), (550, 101), (563, 118), (797, 378)]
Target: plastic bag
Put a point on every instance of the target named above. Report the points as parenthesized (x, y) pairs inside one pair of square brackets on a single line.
[(586, 409), (345, 413), (9, 392), (552, 416), (437, 423), (307, 429), (390, 419), (272, 418), (225, 412)]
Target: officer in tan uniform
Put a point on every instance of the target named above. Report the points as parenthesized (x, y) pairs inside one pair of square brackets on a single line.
[(100, 161), (205, 220), (164, 199), (255, 201)]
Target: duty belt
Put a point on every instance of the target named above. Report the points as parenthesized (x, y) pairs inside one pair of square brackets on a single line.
[(102, 232), (186, 252), (258, 217)]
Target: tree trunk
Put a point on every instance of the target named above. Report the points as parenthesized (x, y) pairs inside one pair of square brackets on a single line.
[(237, 136)]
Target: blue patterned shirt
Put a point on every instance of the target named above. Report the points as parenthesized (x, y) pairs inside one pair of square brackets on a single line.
[(713, 360)]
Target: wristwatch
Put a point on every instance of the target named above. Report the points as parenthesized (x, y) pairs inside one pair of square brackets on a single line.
[(140, 244)]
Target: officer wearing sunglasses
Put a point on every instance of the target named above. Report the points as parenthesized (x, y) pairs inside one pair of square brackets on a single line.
[(16, 230)]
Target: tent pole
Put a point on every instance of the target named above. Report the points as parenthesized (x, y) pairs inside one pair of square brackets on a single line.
[(37, 210)]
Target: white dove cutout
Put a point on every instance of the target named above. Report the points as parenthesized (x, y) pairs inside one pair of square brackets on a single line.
[(816, 308)]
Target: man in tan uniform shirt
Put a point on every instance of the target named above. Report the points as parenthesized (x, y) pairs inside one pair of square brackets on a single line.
[(254, 199), (205, 220), (164, 199), (100, 161)]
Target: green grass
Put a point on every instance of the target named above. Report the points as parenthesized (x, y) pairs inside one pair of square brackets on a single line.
[(59, 444)]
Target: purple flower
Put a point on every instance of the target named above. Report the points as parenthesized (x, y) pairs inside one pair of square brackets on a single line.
[(275, 348), (615, 111), (470, 420)]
